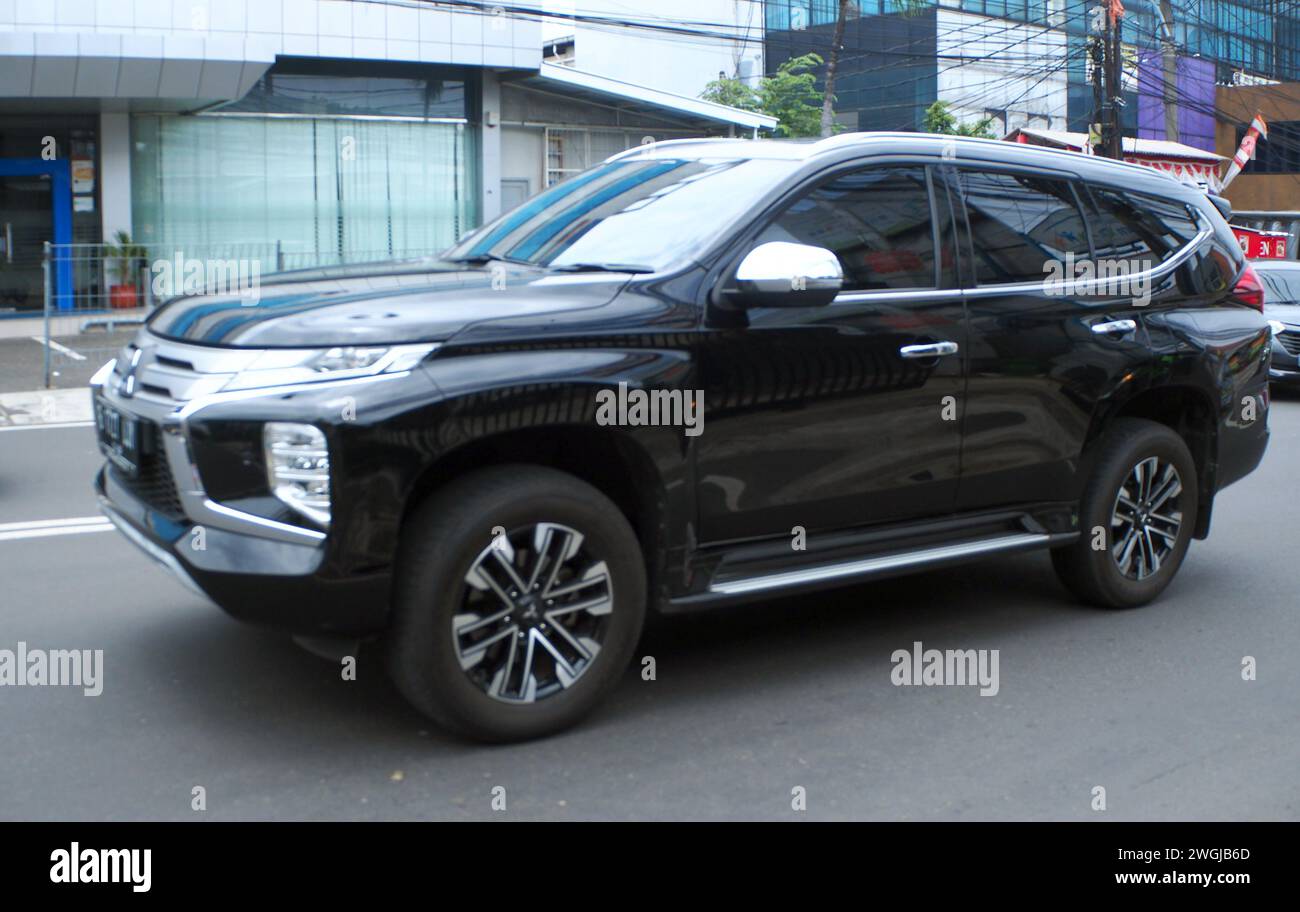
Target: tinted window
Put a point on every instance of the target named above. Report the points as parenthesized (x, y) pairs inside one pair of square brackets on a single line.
[(1132, 226), (1019, 224), (644, 212), (876, 221)]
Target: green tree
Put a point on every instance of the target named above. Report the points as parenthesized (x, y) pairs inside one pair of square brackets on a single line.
[(938, 119), (733, 93), (791, 96)]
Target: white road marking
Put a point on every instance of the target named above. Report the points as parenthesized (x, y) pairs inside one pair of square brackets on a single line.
[(54, 425), (61, 349), (48, 527), (48, 523)]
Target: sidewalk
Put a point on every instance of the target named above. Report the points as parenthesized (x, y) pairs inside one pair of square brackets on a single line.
[(63, 323), (45, 407)]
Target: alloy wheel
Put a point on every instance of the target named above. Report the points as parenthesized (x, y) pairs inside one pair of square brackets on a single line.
[(1146, 518), (535, 609)]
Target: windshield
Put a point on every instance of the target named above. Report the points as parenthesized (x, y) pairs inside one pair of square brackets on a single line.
[(640, 213)]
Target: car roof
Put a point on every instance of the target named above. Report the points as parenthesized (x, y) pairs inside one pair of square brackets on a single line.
[(964, 149)]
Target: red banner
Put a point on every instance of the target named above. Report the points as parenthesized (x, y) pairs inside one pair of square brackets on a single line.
[(1261, 245)]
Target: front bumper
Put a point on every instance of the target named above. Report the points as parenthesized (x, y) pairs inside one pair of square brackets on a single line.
[(1283, 366), (256, 569)]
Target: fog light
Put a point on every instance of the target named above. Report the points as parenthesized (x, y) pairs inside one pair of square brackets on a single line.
[(298, 468)]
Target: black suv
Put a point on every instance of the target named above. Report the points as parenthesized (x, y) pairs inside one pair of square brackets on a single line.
[(704, 371)]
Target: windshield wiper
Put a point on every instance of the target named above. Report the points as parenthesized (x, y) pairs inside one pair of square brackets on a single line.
[(602, 267), (482, 259)]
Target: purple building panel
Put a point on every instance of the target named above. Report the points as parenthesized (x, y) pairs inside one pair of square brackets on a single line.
[(1196, 96)]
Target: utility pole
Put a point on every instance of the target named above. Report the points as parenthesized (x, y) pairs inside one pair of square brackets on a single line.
[(1170, 54), (1114, 82), (832, 64), (1096, 125)]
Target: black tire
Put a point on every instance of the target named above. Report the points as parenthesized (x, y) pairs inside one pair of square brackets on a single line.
[(443, 542), (1095, 576)]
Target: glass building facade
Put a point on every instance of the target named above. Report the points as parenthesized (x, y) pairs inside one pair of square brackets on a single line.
[(313, 167), (1258, 37)]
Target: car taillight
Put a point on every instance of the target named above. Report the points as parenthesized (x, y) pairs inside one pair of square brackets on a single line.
[(1249, 290)]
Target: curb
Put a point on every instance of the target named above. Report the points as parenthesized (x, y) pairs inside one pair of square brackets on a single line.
[(41, 408)]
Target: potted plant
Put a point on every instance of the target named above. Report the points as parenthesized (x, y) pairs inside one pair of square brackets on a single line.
[(123, 257)]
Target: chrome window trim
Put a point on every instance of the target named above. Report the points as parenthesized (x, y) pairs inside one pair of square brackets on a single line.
[(1082, 286)]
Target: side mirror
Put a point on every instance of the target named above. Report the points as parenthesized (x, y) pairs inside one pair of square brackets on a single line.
[(781, 274)]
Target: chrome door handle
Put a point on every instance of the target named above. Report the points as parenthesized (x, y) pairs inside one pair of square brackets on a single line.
[(932, 350), (1114, 326)]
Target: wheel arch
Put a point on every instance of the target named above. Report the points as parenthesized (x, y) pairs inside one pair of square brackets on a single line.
[(611, 460), (1189, 412)]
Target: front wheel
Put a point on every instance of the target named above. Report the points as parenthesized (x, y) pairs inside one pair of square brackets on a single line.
[(1136, 517), (520, 598)]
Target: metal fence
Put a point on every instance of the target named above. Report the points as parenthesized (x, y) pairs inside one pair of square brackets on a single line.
[(96, 293)]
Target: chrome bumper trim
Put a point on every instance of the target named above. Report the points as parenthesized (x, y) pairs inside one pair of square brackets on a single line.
[(152, 551)]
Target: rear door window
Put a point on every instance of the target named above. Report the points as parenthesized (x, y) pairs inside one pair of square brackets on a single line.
[(1020, 224)]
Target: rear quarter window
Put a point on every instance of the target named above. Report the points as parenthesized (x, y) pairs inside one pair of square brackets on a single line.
[(1138, 227)]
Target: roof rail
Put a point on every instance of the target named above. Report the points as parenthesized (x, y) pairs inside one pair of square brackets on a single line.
[(636, 150)]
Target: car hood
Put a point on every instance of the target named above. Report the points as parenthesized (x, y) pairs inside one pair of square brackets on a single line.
[(1286, 313), (388, 304)]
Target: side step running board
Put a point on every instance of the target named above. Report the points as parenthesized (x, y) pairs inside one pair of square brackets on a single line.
[(870, 566)]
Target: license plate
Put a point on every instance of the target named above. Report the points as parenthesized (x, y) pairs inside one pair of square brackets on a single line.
[(119, 436)]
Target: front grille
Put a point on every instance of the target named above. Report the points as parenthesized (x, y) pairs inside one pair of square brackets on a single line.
[(1290, 341), (153, 484)]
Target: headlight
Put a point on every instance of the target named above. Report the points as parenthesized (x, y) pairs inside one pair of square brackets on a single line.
[(350, 358), (283, 366), (298, 468), (1277, 326)]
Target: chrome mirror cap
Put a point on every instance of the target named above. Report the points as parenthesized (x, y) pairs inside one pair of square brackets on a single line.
[(782, 274)]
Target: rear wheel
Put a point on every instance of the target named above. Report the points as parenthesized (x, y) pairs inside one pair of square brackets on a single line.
[(1136, 517), (520, 599)]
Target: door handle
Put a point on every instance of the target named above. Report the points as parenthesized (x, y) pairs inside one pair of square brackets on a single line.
[(931, 350), (1114, 326)]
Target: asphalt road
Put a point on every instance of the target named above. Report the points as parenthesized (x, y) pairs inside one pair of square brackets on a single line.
[(74, 358), (747, 705)]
